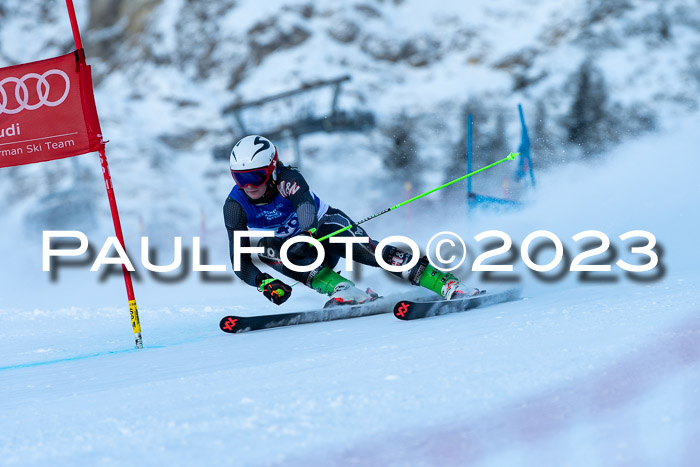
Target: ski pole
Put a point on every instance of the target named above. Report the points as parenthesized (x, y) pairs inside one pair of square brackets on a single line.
[(509, 157)]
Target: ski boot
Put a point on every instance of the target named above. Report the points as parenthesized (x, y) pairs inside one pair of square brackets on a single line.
[(442, 283), (342, 291)]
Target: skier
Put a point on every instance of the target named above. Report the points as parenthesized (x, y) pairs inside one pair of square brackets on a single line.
[(269, 195)]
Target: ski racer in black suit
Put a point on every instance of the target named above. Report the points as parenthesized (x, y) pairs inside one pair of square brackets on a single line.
[(271, 196)]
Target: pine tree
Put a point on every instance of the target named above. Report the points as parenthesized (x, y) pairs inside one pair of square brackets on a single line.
[(401, 150), (496, 142), (540, 136), (588, 123), (457, 162)]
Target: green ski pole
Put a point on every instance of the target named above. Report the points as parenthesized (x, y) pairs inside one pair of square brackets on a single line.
[(509, 157)]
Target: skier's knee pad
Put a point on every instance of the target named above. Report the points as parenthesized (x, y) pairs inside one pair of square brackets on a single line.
[(415, 273), (271, 249), (395, 257), (271, 254)]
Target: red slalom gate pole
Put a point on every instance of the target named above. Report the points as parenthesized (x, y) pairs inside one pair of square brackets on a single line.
[(74, 24), (133, 309)]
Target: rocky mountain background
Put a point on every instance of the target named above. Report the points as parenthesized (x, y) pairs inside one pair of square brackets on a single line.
[(590, 75)]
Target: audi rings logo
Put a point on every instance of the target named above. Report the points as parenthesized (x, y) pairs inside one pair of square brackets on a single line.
[(22, 94)]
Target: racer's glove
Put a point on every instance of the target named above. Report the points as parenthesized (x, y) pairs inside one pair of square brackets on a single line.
[(274, 289)]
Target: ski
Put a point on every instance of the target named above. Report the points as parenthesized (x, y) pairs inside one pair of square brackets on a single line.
[(409, 310), (237, 324)]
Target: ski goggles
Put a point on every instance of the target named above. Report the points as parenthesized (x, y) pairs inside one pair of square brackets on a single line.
[(253, 177)]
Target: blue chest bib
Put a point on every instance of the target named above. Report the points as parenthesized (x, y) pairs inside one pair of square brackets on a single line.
[(278, 215)]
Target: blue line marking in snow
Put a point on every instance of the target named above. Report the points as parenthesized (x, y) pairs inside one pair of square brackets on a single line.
[(78, 357), (108, 352)]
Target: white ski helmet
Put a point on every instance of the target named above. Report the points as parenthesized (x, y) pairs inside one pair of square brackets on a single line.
[(253, 161)]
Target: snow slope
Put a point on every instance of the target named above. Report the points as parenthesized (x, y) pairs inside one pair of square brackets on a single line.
[(570, 378), (574, 374)]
